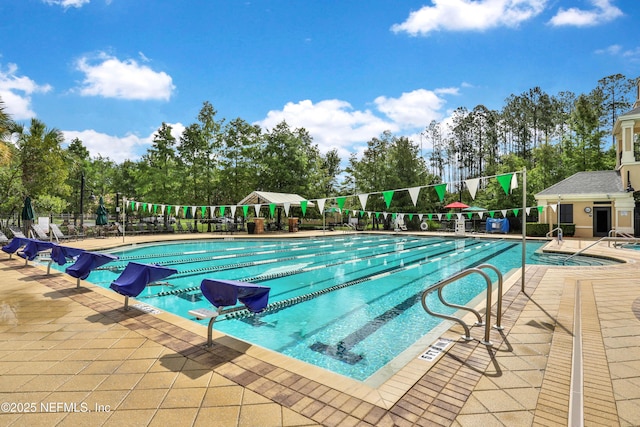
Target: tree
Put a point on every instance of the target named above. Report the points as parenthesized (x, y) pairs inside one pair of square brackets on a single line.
[(160, 179)]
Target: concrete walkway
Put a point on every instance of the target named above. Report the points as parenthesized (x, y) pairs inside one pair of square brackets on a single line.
[(75, 357)]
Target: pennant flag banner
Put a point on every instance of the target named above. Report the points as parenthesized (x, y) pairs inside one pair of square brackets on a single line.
[(472, 186), (388, 195), (245, 210), (554, 207), (469, 214), (414, 193), (540, 209), (133, 205), (440, 190), (410, 217), (162, 209), (504, 213), (286, 208), (505, 182), (439, 217), (340, 201), (257, 209), (184, 211), (222, 208), (144, 206), (514, 182), (272, 209), (321, 204), (155, 209), (491, 213), (177, 209), (448, 216), (516, 212), (193, 211), (233, 211), (528, 210), (303, 207), (363, 200)]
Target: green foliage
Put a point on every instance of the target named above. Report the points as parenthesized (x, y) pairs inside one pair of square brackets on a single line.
[(537, 230)]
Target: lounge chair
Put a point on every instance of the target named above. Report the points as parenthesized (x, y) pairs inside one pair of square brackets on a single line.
[(17, 232), (88, 261), (3, 239), (57, 233), (223, 293), (135, 278), (39, 232)]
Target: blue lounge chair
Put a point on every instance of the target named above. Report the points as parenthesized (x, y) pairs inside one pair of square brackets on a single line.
[(136, 276), (223, 293), (86, 262)]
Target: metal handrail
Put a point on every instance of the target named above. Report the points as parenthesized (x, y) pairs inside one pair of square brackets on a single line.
[(615, 234), (564, 261), (441, 284), (559, 230)]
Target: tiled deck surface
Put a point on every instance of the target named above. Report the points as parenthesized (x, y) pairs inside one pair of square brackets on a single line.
[(75, 357)]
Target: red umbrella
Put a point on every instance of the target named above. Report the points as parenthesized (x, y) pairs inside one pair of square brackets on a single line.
[(456, 205)]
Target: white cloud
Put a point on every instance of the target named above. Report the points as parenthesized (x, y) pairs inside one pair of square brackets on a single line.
[(67, 3), (16, 91), (332, 123), (617, 50), (335, 124), (117, 148), (110, 77), (603, 11), (469, 15), (413, 109)]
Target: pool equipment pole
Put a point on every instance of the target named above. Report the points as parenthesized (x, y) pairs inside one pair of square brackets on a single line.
[(524, 226)]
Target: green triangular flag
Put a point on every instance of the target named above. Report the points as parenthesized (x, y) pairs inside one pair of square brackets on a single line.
[(340, 201), (540, 209), (303, 207), (393, 216), (441, 189), (516, 212), (429, 216), (448, 216), (469, 214), (169, 209), (222, 210), (133, 205), (203, 209), (184, 211), (410, 217), (346, 211), (491, 213), (245, 210), (272, 209), (155, 209), (144, 207), (505, 182), (388, 195), (377, 215)]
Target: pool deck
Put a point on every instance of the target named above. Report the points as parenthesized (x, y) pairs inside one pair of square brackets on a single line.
[(73, 356)]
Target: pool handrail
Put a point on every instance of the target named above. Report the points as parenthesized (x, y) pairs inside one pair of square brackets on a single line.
[(478, 270)]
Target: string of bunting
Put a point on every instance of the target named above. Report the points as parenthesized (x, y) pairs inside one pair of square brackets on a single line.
[(507, 181)]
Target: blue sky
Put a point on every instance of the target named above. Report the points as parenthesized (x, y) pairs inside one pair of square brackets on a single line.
[(111, 71)]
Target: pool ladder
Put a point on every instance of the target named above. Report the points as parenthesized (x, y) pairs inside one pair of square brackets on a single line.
[(475, 270)]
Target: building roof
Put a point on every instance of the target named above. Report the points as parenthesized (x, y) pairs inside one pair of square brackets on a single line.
[(265, 197), (596, 182)]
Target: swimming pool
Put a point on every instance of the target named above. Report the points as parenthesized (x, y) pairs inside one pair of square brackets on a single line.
[(345, 298)]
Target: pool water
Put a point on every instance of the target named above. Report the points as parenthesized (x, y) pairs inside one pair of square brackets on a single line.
[(352, 302)]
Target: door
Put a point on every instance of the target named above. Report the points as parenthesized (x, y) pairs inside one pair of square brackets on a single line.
[(601, 221)]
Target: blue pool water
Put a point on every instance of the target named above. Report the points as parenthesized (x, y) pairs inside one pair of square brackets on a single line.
[(372, 313)]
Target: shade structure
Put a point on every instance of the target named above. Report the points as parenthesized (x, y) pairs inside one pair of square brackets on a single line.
[(474, 209), (456, 205), (27, 210), (136, 276), (101, 213), (227, 292)]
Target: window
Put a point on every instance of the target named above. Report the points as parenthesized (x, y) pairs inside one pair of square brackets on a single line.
[(566, 214)]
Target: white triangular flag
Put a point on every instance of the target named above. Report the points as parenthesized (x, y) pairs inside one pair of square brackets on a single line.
[(286, 208), (321, 204), (233, 211), (414, 192), (514, 181), (504, 213), (472, 186), (257, 209), (554, 207), (363, 200), (439, 217)]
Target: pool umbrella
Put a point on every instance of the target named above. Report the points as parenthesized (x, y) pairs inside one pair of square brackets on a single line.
[(101, 213), (27, 214), (456, 205), (474, 209)]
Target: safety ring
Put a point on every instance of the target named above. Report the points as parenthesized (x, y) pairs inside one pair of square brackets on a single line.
[(424, 226)]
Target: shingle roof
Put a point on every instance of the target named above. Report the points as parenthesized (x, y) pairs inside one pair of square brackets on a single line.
[(596, 182)]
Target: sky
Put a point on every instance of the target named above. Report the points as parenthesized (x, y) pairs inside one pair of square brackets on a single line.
[(110, 72)]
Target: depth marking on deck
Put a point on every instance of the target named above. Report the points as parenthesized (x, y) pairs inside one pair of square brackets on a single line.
[(435, 349)]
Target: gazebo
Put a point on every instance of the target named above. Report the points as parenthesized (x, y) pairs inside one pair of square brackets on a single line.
[(279, 200)]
